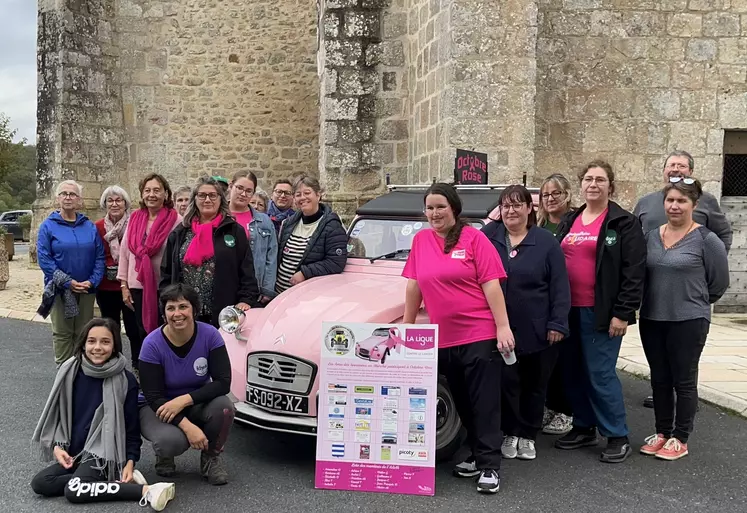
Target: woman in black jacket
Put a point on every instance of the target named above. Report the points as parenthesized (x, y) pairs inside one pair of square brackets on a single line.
[(209, 251), (606, 259), (312, 242)]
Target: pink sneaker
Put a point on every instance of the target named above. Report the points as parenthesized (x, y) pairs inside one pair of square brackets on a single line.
[(654, 444), (672, 450)]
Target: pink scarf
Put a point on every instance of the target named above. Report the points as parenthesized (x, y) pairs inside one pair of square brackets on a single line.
[(201, 247), (114, 233), (144, 251)]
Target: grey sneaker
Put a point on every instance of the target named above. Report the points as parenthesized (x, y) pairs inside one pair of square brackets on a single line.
[(211, 467), (467, 468), (509, 447), (526, 449), (165, 467), (489, 481), (559, 425)]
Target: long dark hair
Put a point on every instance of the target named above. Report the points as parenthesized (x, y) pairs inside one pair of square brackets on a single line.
[(455, 202), (96, 322), (519, 194)]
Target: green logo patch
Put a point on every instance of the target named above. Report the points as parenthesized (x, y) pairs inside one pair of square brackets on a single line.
[(610, 238), (229, 240)]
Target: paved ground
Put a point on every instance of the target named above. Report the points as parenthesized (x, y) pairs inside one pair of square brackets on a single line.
[(274, 472)]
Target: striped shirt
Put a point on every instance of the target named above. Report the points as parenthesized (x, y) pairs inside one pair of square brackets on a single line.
[(293, 252)]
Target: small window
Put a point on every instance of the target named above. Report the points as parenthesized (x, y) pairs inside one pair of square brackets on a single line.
[(735, 164)]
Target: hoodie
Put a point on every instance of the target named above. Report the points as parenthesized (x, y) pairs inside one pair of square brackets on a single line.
[(74, 248)]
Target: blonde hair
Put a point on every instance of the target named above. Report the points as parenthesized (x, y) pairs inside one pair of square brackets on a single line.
[(562, 183)]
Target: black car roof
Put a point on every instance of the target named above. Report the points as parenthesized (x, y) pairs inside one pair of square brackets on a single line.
[(477, 202)]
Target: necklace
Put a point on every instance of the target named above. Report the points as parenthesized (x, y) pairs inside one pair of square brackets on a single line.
[(663, 236)]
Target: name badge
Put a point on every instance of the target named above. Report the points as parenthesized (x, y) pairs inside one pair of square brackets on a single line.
[(459, 254)]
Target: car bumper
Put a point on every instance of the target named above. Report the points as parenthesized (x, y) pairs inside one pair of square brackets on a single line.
[(254, 416)]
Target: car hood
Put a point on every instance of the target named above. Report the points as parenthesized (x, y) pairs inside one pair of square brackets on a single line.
[(292, 323)]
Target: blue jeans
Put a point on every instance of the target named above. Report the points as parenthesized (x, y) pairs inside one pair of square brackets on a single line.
[(592, 385)]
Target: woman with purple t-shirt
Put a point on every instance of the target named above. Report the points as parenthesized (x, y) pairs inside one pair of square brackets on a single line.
[(185, 375)]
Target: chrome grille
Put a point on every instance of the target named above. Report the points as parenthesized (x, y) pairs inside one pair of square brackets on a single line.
[(363, 353), (279, 372)]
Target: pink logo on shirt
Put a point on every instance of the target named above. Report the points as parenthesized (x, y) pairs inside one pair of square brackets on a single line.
[(574, 239), (420, 339)]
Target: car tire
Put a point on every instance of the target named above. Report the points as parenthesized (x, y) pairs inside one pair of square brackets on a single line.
[(450, 433), (383, 357)]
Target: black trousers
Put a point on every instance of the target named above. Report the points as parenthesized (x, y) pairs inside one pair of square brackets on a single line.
[(82, 484), (473, 372), (524, 390), (673, 352), (111, 306), (557, 400), (137, 343)]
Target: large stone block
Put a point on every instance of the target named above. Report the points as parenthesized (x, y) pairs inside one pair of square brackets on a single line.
[(689, 136), (357, 82), (732, 109), (394, 130), (377, 154), (345, 108), (387, 53), (602, 136), (362, 24), (343, 53), (685, 25), (700, 50), (699, 105), (720, 24), (343, 156), (732, 50), (353, 132)]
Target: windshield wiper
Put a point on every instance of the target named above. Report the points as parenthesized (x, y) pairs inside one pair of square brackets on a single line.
[(389, 255)]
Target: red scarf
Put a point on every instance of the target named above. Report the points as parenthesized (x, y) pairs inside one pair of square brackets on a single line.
[(201, 247), (144, 248)]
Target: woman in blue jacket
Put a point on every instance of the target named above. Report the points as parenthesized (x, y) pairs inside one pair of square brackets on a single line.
[(538, 299), (71, 254)]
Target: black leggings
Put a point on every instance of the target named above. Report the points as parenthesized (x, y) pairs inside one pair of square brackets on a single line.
[(82, 484), (111, 306), (137, 343)]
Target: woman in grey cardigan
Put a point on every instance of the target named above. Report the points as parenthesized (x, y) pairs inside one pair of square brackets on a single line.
[(686, 271)]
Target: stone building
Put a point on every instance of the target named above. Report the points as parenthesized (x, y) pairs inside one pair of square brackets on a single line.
[(360, 90)]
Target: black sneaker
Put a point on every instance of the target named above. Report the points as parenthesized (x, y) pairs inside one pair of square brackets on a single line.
[(489, 481), (618, 450), (649, 402), (212, 468), (165, 467), (577, 438), (467, 468)]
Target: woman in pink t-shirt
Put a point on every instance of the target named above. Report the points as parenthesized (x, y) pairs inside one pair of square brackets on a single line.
[(455, 270), (606, 259)]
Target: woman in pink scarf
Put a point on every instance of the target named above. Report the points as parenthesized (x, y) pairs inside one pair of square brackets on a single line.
[(140, 255), (210, 252)]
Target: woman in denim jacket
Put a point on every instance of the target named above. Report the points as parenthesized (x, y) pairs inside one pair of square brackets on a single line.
[(260, 230)]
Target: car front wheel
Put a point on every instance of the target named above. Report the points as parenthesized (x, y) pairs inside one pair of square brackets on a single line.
[(449, 432)]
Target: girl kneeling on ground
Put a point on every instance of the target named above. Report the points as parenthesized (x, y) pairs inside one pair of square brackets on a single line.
[(185, 375), (89, 425)]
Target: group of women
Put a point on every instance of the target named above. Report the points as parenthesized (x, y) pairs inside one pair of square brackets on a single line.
[(155, 269), (560, 293)]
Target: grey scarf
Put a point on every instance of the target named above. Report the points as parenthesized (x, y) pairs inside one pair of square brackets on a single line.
[(105, 442)]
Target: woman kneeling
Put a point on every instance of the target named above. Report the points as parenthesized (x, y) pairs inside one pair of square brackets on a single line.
[(90, 427), (185, 375)]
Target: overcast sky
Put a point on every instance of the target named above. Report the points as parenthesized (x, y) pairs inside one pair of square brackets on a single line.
[(18, 65)]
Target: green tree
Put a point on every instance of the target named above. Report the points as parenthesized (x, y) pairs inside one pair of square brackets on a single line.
[(17, 169)]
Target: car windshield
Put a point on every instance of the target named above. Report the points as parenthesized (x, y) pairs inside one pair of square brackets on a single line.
[(371, 238), (381, 332)]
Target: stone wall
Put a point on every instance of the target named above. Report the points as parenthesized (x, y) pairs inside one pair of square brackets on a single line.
[(630, 81)]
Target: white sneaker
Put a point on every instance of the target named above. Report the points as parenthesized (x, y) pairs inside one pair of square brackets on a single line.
[(138, 477), (489, 481), (158, 495), (508, 449), (526, 449), (560, 425)]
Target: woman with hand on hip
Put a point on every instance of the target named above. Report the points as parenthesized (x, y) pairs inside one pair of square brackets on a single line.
[(605, 254), (141, 252), (454, 269), (90, 427), (540, 300), (210, 253), (687, 270)]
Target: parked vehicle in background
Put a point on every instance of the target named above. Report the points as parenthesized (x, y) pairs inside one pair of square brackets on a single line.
[(275, 350), (10, 220)]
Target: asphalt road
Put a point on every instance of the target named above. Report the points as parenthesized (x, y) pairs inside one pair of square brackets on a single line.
[(273, 472)]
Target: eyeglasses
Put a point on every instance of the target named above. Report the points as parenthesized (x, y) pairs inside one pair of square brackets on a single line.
[(72, 195), (515, 206), (114, 201), (281, 192), (243, 190), (677, 179), (554, 194), (202, 196), (600, 180), (677, 166)]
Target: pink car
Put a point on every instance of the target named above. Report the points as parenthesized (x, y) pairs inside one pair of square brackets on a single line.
[(379, 345), (275, 350)]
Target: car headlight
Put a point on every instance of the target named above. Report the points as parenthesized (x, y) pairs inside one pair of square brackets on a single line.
[(230, 319)]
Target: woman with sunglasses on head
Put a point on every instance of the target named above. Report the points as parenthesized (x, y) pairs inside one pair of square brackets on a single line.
[(605, 255), (456, 272), (555, 202), (90, 426), (536, 277), (687, 270), (259, 229), (209, 252)]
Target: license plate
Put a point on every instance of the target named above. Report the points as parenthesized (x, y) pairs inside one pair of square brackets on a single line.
[(285, 403)]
